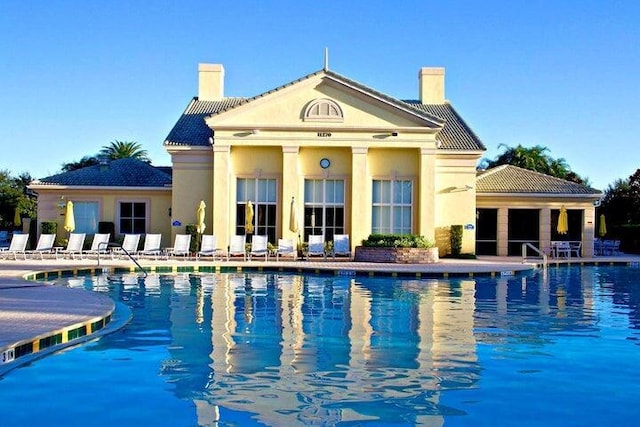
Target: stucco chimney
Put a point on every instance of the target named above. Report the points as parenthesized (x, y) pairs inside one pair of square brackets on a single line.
[(210, 82), (431, 81)]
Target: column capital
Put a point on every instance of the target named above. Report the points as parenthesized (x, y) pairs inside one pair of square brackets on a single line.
[(221, 148), (290, 149), (359, 150)]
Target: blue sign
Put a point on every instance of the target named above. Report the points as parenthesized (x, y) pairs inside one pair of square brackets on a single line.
[(468, 227), (176, 223)]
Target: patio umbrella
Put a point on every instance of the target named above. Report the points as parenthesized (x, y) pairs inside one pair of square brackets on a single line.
[(69, 220), (16, 218), (602, 230), (200, 226), (563, 221), (248, 217), (293, 218)]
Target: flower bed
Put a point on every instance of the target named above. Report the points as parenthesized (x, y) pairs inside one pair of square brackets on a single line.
[(397, 255)]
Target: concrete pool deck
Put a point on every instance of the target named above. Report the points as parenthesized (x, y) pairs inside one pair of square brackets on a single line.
[(36, 314)]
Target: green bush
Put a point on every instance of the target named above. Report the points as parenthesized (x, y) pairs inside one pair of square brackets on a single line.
[(195, 239), (397, 241), (49, 227), (456, 240)]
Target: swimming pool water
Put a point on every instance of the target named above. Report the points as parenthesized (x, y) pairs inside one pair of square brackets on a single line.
[(281, 349)]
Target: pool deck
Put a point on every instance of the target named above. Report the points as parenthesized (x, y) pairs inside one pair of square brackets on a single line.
[(32, 311)]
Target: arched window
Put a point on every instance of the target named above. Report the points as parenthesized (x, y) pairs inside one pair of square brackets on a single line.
[(323, 110)]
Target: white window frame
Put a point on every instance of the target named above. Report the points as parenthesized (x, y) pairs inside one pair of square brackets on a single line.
[(147, 212), (323, 204), (78, 218), (389, 228)]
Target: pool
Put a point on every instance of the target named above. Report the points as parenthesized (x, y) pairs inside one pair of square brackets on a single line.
[(282, 349)]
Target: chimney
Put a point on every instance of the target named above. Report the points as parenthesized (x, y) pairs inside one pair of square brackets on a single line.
[(210, 82), (431, 81)]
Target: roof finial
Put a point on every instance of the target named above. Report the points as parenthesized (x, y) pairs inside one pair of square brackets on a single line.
[(326, 59)]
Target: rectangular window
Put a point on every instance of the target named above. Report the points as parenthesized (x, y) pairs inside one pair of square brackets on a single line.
[(86, 216), (133, 217), (324, 207), (392, 210), (263, 195)]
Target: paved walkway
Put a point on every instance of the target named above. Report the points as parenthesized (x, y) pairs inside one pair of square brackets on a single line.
[(30, 310)]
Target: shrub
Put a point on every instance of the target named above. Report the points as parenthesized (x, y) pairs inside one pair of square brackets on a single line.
[(49, 227), (456, 240), (397, 241), (195, 241)]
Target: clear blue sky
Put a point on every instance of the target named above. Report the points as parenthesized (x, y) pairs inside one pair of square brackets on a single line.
[(76, 75)]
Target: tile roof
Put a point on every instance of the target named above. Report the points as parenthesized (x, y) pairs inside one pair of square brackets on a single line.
[(510, 179), (118, 173), (191, 129)]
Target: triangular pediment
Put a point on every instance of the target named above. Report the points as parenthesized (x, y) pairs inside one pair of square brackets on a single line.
[(323, 100)]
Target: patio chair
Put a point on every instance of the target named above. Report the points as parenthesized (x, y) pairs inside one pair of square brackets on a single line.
[(129, 246), (562, 250), (259, 247), (99, 245), (575, 249), (44, 246), (181, 246), (208, 247), (151, 247), (611, 247), (286, 248), (597, 247), (74, 246), (316, 247), (237, 247), (341, 246), (17, 246)]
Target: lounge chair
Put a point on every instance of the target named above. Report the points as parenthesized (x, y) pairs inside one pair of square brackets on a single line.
[(575, 248), (259, 247), (237, 247), (341, 246), (74, 246), (208, 247), (286, 249), (561, 249), (151, 246), (44, 246), (99, 245), (181, 246), (17, 246), (129, 245), (316, 247)]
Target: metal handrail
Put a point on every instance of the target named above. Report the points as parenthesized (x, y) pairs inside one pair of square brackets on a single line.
[(536, 250), (116, 245)]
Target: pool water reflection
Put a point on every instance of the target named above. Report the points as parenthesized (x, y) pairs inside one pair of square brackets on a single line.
[(281, 349)]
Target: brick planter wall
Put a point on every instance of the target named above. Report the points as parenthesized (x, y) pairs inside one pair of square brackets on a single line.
[(397, 255)]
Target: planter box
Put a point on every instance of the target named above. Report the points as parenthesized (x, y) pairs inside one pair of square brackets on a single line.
[(397, 255)]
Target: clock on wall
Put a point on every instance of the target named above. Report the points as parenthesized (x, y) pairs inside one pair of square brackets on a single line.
[(325, 163)]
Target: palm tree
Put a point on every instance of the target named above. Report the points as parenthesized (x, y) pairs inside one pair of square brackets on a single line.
[(82, 163), (124, 149)]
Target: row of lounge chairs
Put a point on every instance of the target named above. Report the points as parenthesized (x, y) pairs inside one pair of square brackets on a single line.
[(152, 247)]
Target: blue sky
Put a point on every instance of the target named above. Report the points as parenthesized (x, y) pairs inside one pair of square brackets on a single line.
[(76, 75)]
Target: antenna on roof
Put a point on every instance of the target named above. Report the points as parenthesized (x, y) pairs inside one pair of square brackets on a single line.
[(326, 59)]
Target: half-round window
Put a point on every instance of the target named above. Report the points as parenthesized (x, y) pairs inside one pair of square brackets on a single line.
[(323, 110)]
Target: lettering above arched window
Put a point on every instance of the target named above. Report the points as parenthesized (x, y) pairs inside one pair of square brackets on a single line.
[(323, 110)]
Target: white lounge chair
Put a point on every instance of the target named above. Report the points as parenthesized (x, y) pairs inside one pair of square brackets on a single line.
[(129, 245), (74, 246), (237, 247), (286, 249), (44, 246), (575, 248), (181, 246), (99, 245), (341, 246), (208, 247), (17, 246), (151, 246), (316, 247), (259, 247)]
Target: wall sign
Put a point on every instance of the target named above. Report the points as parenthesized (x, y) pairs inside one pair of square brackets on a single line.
[(176, 223)]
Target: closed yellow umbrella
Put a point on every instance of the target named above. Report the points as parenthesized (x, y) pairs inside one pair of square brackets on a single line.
[(563, 221), (16, 218), (200, 226), (248, 218), (602, 230), (293, 217), (69, 220)]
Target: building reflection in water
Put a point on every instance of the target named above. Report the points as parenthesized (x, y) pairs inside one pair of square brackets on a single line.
[(286, 349)]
